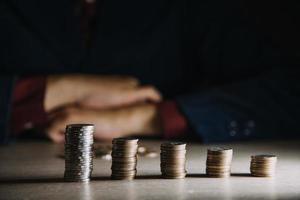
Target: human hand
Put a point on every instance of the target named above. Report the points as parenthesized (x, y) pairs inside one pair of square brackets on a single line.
[(96, 91), (140, 119)]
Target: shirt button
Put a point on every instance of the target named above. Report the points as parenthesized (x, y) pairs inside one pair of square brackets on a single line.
[(247, 132), (233, 124), (28, 125), (232, 133), (251, 124)]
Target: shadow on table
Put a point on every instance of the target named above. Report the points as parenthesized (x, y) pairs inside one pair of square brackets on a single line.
[(148, 177), (100, 178), (45, 180), (31, 180), (241, 174), (61, 180), (202, 175), (196, 175), (108, 178)]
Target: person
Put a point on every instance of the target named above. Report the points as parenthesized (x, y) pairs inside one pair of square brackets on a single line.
[(158, 68)]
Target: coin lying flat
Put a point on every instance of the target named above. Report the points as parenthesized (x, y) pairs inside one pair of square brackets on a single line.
[(172, 160), (124, 158), (263, 165), (78, 152), (218, 162)]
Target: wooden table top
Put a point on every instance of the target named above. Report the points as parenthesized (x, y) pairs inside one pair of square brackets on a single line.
[(32, 170)]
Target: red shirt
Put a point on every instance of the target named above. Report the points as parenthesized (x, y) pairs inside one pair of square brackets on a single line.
[(28, 99)]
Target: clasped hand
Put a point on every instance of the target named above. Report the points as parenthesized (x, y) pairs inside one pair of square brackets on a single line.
[(118, 105)]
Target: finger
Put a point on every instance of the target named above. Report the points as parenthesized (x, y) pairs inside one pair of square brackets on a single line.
[(56, 134), (56, 129), (63, 111), (131, 82), (146, 93), (119, 81), (55, 114)]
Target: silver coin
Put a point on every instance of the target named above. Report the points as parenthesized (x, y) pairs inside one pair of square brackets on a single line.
[(79, 152)]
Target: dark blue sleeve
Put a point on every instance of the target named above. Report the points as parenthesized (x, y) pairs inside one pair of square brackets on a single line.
[(6, 88), (266, 106)]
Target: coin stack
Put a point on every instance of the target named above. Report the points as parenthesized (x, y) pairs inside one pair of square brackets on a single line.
[(172, 160), (263, 165), (124, 158), (78, 152), (218, 163)]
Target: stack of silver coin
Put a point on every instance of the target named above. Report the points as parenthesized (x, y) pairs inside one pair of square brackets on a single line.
[(218, 163), (78, 152), (124, 158), (263, 165), (172, 160)]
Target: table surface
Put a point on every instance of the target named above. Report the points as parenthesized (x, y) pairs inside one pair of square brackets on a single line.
[(32, 170)]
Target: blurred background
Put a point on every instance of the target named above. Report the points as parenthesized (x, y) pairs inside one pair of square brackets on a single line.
[(213, 71)]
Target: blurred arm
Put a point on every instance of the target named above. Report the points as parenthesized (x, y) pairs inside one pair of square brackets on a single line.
[(266, 106)]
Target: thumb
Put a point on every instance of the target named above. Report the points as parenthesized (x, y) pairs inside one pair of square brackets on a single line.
[(56, 132)]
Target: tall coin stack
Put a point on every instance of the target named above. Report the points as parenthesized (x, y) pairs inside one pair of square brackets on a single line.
[(78, 152), (124, 158), (172, 160), (263, 165), (218, 163)]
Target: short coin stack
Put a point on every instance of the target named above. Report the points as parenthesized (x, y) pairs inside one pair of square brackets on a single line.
[(172, 160), (218, 163), (78, 152), (124, 158), (263, 165)]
